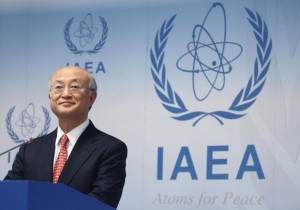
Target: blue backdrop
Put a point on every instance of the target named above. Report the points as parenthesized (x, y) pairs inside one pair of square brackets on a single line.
[(204, 93)]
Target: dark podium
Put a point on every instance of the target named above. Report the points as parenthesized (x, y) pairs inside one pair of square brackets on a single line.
[(33, 195)]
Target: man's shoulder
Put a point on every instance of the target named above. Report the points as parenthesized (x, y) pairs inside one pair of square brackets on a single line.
[(49, 136), (102, 136)]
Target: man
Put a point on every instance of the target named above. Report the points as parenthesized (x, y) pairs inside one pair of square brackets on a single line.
[(95, 162)]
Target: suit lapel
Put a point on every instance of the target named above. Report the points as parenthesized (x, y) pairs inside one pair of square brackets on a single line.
[(46, 151), (82, 150)]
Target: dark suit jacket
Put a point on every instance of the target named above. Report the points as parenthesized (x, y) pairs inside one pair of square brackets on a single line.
[(96, 165)]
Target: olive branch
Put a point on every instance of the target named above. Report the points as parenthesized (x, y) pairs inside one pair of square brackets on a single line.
[(244, 99)]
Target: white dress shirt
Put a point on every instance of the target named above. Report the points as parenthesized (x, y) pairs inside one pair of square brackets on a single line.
[(73, 136)]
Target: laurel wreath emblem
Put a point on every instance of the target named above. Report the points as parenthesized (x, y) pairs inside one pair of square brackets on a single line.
[(244, 99), (72, 47), (14, 136)]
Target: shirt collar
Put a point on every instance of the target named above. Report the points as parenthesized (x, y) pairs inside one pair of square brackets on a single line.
[(73, 135)]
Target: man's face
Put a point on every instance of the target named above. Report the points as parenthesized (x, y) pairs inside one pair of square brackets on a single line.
[(70, 97)]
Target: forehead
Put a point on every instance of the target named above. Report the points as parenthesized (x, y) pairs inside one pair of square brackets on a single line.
[(69, 75)]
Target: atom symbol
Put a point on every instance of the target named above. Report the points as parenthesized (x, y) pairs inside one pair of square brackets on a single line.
[(209, 63), (86, 32), (27, 120)]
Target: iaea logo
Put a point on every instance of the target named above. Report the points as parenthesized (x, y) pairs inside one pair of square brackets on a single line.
[(213, 71), (27, 122), (85, 36)]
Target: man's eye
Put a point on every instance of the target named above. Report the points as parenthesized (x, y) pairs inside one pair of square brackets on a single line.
[(58, 87), (75, 87)]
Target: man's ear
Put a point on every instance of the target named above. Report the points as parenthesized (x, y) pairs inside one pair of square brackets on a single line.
[(93, 97)]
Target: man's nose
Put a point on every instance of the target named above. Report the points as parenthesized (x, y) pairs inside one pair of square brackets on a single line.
[(66, 91)]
